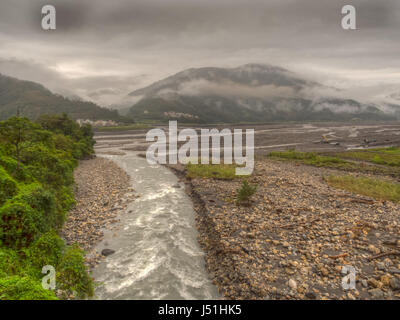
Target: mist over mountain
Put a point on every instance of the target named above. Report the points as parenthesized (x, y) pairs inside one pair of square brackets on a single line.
[(249, 93), (33, 100)]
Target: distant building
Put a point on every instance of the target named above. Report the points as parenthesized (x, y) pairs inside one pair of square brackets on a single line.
[(172, 114), (97, 123)]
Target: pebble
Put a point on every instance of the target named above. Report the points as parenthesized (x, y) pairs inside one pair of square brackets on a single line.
[(101, 186), (300, 228), (394, 283), (292, 284), (376, 293)]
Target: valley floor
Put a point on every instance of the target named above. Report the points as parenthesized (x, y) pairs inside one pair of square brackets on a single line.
[(294, 239), (100, 189)]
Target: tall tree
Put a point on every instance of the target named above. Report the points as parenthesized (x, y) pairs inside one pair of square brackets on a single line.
[(20, 133)]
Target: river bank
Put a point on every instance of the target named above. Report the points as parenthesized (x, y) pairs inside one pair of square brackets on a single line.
[(295, 238), (101, 191)]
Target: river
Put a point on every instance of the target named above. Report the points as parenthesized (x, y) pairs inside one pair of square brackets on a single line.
[(157, 254)]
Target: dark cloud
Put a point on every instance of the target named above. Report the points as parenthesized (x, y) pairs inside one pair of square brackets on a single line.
[(100, 45)]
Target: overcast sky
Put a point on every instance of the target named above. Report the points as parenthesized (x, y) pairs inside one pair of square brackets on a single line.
[(104, 49)]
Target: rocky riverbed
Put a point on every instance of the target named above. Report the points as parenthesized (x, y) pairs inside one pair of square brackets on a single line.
[(102, 191), (297, 235)]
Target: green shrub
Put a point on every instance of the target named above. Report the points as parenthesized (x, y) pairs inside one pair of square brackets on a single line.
[(9, 262), (19, 224), (45, 251), (245, 193), (72, 277), (43, 200), (8, 186), (23, 288), (51, 167), (36, 192)]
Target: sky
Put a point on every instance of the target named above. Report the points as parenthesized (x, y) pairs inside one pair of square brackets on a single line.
[(102, 50)]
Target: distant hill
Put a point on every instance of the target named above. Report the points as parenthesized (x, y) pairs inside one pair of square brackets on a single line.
[(249, 93), (34, 100)]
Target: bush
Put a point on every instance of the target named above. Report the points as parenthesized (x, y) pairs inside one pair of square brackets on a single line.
[(72, 277), (46, 202), (36, 192), (19, 224), (45, 251), (8, 186), (245, 193), (50, 167), (23, 288), (9, 262)]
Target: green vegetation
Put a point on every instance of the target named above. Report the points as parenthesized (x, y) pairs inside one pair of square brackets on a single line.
[(310, 158), (374, 188), (347, 161), (136, 126), (216, 171), (36, 192), (245, 193), (33, 100), (382, 156)]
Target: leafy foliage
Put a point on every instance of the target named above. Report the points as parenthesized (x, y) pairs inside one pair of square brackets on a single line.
[(36, 182), (23, 288), (72, 275)]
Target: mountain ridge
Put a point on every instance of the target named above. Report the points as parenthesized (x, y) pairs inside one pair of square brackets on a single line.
[(252, 92), (33, 99)]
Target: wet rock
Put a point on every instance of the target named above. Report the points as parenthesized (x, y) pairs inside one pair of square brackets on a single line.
[(311, 295), (177, 186), (107, 252)]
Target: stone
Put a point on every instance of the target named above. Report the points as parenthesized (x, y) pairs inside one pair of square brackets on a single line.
[(381, 266), (394, 284), (385, 280), (107, 252), (364, 283), (311, 295), (374, 249), (375, 283), (292, 284), (376, 293)]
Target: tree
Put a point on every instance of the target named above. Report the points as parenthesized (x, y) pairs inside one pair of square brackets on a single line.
[(245, 193), (20, 133)]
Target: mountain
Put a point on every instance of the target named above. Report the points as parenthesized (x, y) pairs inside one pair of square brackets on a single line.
[(33, 99), (249, 93)]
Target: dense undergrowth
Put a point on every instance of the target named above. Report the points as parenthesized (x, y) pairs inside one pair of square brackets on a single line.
[(37, 160)]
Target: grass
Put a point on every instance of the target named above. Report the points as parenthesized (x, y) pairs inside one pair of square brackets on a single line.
[(216, 171), (384, 156), (374, 188), (310, 158), (338, 161), (136, 126)]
